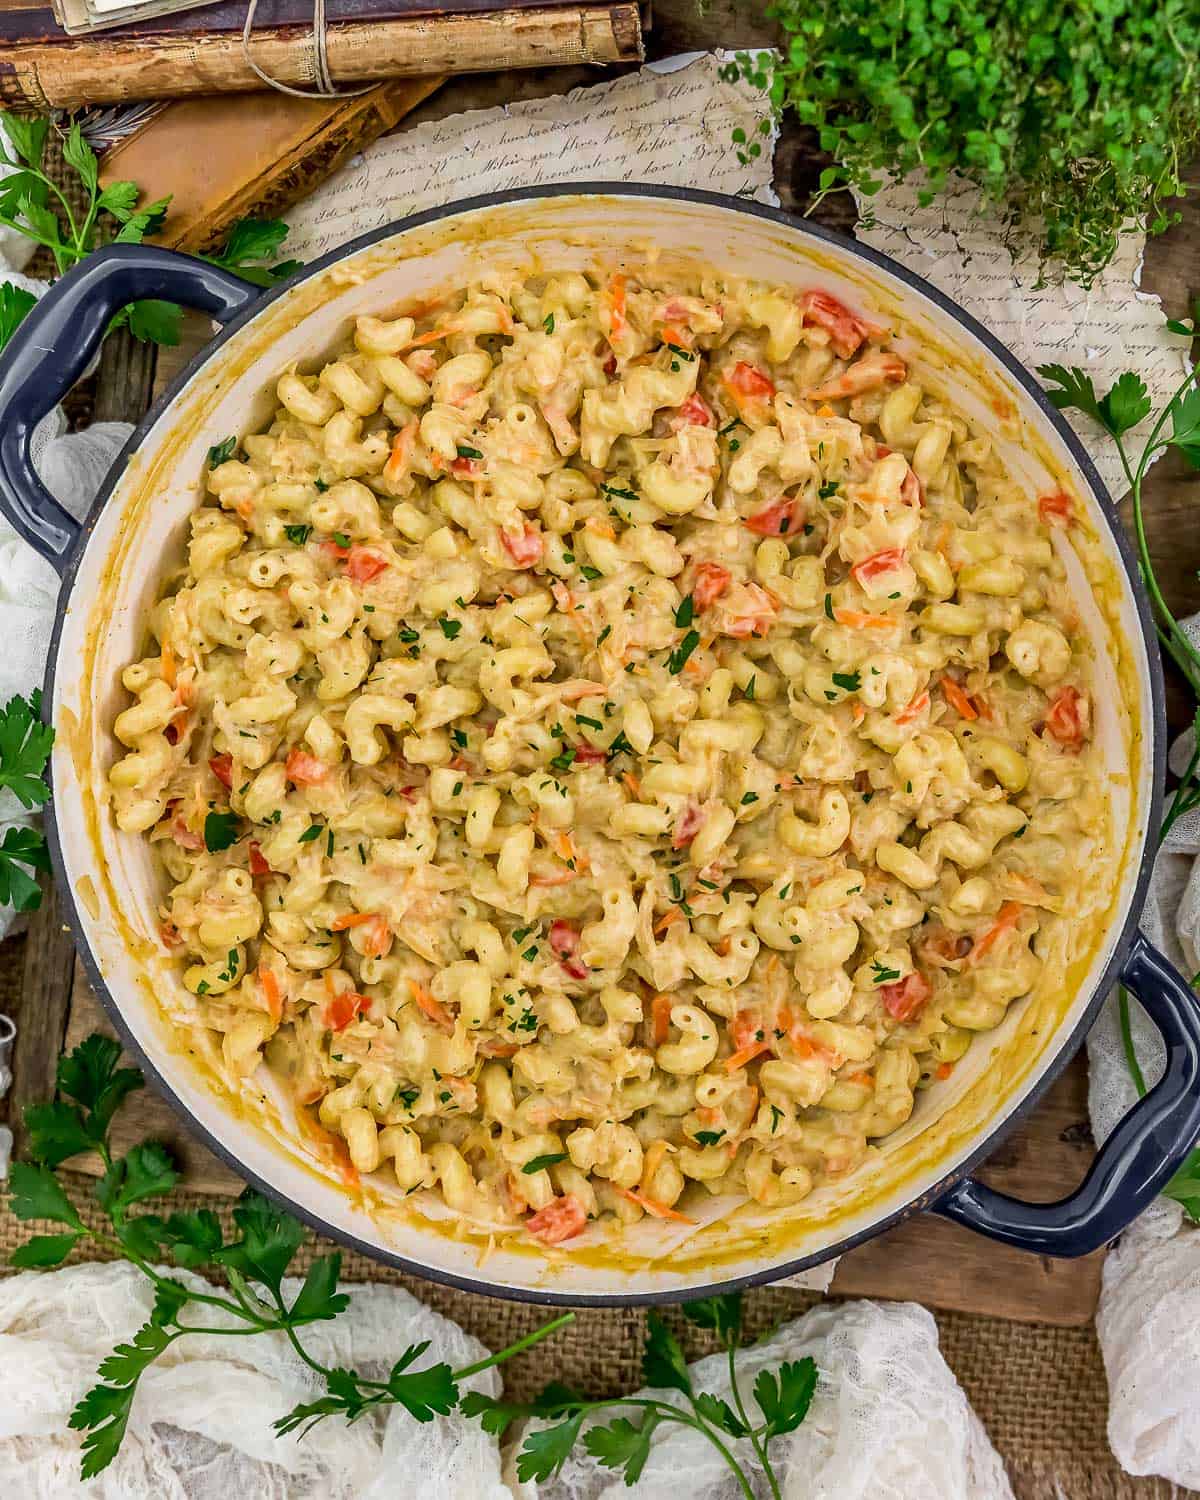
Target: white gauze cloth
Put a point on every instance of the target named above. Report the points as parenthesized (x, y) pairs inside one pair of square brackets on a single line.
[(1148, 1321), (71, 467), (888, 1422), (201, 1422)]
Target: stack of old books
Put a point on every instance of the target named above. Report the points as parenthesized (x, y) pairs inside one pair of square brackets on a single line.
[(74, 52)]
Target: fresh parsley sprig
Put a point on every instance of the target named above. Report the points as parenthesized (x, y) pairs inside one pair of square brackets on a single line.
[(1176, 427), (24, 750), (782, 1397), (91, 1088), (35, 206)]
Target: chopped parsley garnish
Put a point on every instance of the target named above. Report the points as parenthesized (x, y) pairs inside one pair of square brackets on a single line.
[(313, 831), (297, 535), (678, 658), (611, 489), (776, 1116), (220, 831), (548, 322), (591, 723), (458, 786), (540, 1163), (686, 612), (708, 1137), (563, 762), (750, 687), (729, 426), (450, 628), (829, 606), (831, 488), (619, 745), (882, 974), (849, 682), (682, 353), (590, 573), (408, 635), (407, 1097), (529, 955), (464, 452), (341, 539), (321, 486), (459, 737), (749, 798), (604, 635), (222, 452)]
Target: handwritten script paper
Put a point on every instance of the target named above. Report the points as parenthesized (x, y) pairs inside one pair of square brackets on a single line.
[(1111, 328), (653, 126)]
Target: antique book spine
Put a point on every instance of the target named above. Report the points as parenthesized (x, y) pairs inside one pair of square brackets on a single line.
[(198, 153), (113, 68)]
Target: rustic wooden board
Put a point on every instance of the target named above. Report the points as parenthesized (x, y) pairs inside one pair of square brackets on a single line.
[(927, 1259)]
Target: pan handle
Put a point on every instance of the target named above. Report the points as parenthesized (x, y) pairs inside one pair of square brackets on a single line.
[(52, 348), (1137, 1160)]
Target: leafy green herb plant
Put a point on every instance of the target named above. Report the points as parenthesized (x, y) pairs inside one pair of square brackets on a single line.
[(34, 205), (1074, 117), (92, 1085), (24, 750), (1176, 428)]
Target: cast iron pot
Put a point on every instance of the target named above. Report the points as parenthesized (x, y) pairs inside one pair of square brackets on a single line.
[(111, 568)]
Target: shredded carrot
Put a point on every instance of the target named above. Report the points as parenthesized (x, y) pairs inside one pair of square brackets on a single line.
[(1006, 919), (825, 410), (858, 713), (430, 1007), (866, 1079), (601, 527), (351, 919), (616, 302), (745, 1055), (168, 664), (652, 1160), (724, 945), (913, 708), (957, 699), (660, 1018), (632, 785), (553, 877), (653, 1207), (271, 992), (944, 1070), (854, 619), (668, 919)]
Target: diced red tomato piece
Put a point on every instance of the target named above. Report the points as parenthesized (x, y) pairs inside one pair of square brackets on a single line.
[(711, 582), (691, 821), (877, 564), (305, 769), (1056, 509), (1065, 720), (846, 329), (905, 998), (524, 547), (561, 1220), (564, 943), (339, 1010), (695, 412), (748, 381), (466, 468), (334, 551), (781, 519), (755, 615), (258, 863), (222, 768), (184, 836), (170, 935), (913, 709), (589, 755), (362, 564)]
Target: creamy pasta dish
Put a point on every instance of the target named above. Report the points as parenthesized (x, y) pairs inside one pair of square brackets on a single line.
[(611, 739)]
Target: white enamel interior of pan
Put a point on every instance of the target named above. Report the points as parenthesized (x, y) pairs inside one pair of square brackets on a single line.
[(112, 876)]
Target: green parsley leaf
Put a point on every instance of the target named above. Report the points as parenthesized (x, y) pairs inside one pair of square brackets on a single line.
[(222, 452), (708, 1137), (828, 489), (716, 1409), (678, 658), (270, 1239), (103, 1415), (313, 831), (686, 612), (250, 242), (464, 451), (591, 574), (1185, 425), (784, 1398), (829, 615), (37, 1194), (15, 303), (43, 1251), (548, 322), (540, 1163), (849, 682), (722, 1315), (318, 1299), (623, 1444), (56, 1132), (153, 321), (881, 974), (450, 628), (1184, 1187), (544, 1452), (297, 535), (24, 749), (18, 889), (663, 1364), (145, 1171), (220, 831), (1124, 406)]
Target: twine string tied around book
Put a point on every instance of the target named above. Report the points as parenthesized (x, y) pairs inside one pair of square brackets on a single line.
[(326, 88)]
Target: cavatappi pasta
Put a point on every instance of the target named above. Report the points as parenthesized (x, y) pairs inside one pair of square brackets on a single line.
[(610, 741)]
